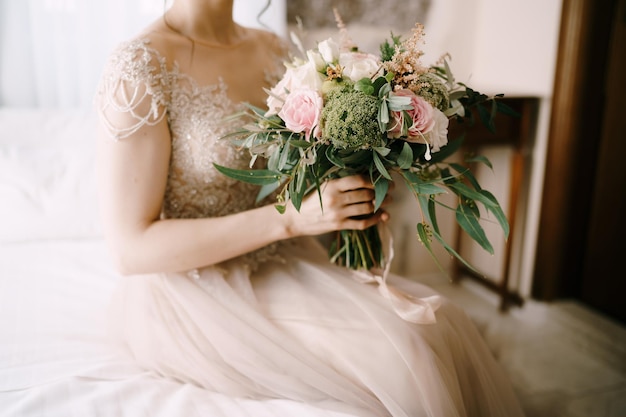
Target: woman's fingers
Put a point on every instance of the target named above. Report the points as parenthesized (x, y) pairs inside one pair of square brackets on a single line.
[(352, 182), (347, 203), (357, 196), (361, 223), (359, 209)]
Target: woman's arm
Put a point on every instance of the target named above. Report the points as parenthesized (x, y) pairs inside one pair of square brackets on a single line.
[(133, 174)]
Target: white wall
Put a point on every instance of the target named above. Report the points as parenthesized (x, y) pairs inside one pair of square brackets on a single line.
[(274, 19), (500, 46), (515, 53), (52, 51)]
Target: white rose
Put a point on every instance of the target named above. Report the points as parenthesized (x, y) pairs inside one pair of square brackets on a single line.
[(316, 59), (357, 65), (438, 136), (307, 76), (329, 50)]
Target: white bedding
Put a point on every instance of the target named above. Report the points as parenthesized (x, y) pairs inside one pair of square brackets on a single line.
[(55, 283)]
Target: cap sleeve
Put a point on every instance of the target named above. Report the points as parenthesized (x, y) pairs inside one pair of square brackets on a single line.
[(134, 89)]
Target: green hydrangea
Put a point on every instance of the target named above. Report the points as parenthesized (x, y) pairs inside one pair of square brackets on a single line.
[(349, 120), (432, 89)]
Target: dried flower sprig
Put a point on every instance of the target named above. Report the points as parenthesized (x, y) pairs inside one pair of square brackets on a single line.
[(406, 64), (346, 42)]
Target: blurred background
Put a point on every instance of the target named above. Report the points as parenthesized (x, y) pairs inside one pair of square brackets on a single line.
[(53, 51)]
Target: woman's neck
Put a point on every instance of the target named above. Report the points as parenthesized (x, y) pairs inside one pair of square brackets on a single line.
[(205, 21)]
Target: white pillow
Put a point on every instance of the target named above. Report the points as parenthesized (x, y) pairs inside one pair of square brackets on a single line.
[(47, 174)]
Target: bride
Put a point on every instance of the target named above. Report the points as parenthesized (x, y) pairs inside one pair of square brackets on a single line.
[(233, 296)]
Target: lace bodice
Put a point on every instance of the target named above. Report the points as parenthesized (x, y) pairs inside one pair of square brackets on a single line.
[(139, 82)]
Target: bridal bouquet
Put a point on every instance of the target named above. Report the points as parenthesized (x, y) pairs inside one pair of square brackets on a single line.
[(339, 111)]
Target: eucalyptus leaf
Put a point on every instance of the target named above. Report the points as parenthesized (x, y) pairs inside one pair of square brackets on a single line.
[(506, 109), (465, 191), (457, 95), (254, 176), (294, 195), (334, 158), (360, 158), (449, 75), (273, 162), (383, 116), (380, 191), (299, 143), (419, 186), (266, 190), (498, 213), (381, 150), (432, 214), (405, 159), (466, 173), (301, 175), (284, 155), (380, 166), (422, 233), (467, 220), (454, 253), (384, 90), (425, 237), (423, 201), (480, 159), (494, 111), (485, 118), (398, 103)]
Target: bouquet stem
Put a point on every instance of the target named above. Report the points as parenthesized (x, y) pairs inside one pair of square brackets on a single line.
[(358, 249)]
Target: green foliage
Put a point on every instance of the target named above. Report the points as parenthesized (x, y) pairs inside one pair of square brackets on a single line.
[(387, 49)]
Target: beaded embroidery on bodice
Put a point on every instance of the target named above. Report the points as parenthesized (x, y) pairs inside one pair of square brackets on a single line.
[(138, 81), (197, 117), (197, 122)]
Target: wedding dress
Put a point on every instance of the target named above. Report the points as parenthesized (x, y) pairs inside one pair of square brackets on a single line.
[(281, 322)]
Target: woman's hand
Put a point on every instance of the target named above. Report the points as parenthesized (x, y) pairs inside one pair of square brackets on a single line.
[(347, 203)]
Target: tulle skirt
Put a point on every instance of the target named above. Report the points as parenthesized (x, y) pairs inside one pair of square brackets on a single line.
[(306, 330)]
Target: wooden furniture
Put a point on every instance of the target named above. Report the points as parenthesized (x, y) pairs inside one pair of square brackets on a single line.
[(518, 134)]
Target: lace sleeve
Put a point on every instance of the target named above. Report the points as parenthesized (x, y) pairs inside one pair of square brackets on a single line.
[(134, 89)]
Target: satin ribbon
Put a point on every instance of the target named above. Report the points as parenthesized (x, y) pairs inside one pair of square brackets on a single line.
[(413, 309)]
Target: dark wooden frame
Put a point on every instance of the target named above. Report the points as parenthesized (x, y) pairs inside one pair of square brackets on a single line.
[(518, 134), (571, 153)]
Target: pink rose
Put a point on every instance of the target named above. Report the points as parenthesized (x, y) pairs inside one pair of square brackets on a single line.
[(304, 75), (421, 122), (301, 111)]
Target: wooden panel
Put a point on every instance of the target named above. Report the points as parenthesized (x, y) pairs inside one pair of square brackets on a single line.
[(517, 133), (573, 138)]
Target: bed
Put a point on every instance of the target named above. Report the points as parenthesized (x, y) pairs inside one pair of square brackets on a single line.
[(55, 283)]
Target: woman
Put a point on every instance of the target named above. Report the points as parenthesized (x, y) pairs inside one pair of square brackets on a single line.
[(234, 296)]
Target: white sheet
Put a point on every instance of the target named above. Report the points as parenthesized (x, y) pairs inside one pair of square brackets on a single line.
[(47, 174), (55, 284), (54, 358)]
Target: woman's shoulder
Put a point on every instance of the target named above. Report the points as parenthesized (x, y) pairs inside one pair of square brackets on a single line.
[(269, 40), (149, 46), (136, 81)]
